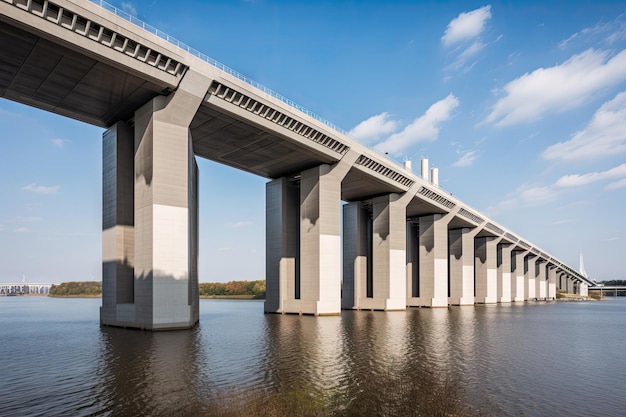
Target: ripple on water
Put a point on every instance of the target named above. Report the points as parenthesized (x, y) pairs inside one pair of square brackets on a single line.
[(532, 359)]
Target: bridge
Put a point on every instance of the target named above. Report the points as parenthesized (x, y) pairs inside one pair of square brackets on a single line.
[(24, 288), (405, 241), (608, 290)]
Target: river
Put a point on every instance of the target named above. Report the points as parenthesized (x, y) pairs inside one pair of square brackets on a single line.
[(531, 359)]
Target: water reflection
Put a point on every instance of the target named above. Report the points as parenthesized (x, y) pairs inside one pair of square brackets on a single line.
[(154, 373), (529, 359)]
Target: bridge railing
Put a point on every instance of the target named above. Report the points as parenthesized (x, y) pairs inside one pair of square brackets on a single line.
[(134, 20), (140, 23)]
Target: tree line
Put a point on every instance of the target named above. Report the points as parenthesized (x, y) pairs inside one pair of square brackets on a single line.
[(254, 289), (614, 282), (84, 288)]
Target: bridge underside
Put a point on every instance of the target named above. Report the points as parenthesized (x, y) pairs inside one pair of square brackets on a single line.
[(41, 73), (405, 242)]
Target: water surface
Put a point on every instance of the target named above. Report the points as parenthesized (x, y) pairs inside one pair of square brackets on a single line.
[(532, 359)]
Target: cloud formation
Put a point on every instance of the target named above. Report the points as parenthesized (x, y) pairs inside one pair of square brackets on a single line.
[(466, 26), (466, 159), (424, 128), (40, 189), (129, 8), (604, 135), (537, 195), (240, 224), (578, 180), (606, 33), (558, 88), (59, 143), (463, 35), (373, 128)]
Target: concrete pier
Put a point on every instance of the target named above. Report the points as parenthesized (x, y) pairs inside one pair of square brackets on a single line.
[(529, 276), (552, 274), (504, 271), (540, 279), (517, 275), (433, 262), (461, 243), (486, 270), (150, 214)]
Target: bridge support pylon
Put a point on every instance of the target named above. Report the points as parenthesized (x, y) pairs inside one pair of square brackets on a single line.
[(150, 214), (517, 275), (486, 270), (529, 276), (504, 272), (303, 240), (462, 266)]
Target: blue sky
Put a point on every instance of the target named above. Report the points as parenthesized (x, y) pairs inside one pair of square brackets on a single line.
[(521, 106)]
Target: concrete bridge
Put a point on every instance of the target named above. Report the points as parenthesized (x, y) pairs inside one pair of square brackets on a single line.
[(405, 242)]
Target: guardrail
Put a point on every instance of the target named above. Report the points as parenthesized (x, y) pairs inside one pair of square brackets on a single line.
[(140, 23)]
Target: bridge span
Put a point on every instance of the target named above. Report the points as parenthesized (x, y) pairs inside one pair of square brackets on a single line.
[(405, 242)]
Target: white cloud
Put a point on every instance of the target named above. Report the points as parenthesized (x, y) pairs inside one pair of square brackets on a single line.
[(424, 128), (466, 26), (21, 219), (22, 230), (558, 88), (471, 50), (616, 185), (240, 224), (534, 196), (129, 8), (40, 189), (466, 159), (606, 32), (526, 196), (578, 180), (465, 55), (59, 143), (604, 135), (373, 128)]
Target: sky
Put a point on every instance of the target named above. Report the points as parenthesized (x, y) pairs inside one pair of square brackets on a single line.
[(521, 106)]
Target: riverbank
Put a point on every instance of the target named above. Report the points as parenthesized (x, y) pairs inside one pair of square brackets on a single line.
[(75, 296)]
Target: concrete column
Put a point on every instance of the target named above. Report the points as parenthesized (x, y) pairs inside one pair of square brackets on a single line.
[(583, 289), (282, 235), (118, 235), (517, 275), (504, 272), (529, 276), (317, 260), (485, 264), (540, 279), (357, 258), (379, 274), (552, 276), (412, 260), (165, 255), (433, 261), (461, 252), (388, 254)]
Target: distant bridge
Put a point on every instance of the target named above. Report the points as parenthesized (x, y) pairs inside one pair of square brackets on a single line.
[(24, 288), (608, 290)]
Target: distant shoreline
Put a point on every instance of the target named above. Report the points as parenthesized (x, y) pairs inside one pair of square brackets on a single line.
[(205, 297), (76, 296)]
